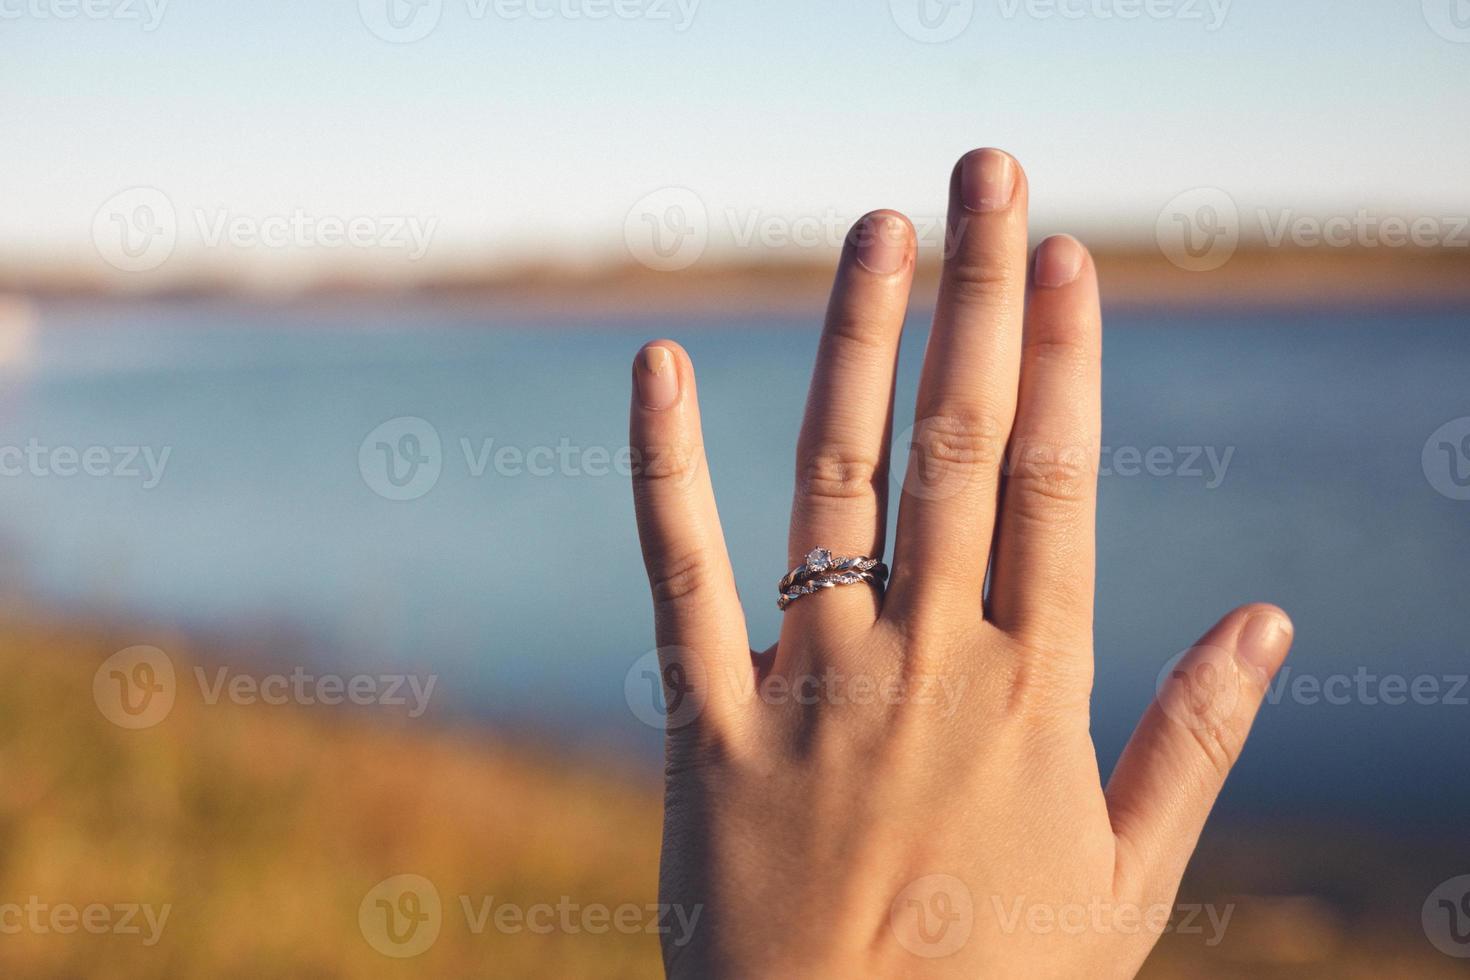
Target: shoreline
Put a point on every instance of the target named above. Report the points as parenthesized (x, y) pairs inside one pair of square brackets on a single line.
[(1253, 278)]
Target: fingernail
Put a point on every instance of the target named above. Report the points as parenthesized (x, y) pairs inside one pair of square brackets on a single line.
[(882, 244), (1058, 261), (1264, 641), (658, 379), (987, 180)]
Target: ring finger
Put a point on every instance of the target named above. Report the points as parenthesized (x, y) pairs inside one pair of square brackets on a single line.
[(842, 455)]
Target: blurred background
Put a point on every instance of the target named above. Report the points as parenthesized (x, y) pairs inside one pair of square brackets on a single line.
[(315, 324)]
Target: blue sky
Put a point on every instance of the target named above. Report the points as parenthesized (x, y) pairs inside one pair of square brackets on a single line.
[(524, 136)]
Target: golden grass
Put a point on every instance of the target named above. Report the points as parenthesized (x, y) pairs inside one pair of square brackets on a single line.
[(263, 828)]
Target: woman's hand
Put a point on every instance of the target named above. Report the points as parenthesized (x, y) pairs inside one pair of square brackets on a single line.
[(905, 785)]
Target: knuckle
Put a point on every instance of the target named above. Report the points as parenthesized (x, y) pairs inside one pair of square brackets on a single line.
[(1061, 344), (672, 464), (673, 580), (981, 276), (1220, 745), (861, 331), (836, 473), (961, 438), (1050, 475)]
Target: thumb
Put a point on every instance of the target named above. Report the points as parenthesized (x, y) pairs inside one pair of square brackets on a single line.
[(1176, 762)]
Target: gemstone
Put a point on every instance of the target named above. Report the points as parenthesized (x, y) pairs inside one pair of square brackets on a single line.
[(819, 559)]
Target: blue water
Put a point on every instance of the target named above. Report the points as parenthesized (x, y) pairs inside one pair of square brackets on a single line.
[(264, 520)]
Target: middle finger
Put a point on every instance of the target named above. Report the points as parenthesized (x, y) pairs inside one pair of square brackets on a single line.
[(967, 392)]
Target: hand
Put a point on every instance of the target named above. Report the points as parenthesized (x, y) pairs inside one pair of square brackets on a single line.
[(905, 785)]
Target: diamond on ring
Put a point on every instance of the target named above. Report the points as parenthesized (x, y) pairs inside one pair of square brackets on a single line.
[(823, 570)]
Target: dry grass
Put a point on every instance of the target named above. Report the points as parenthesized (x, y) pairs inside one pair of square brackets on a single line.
[(263, 829)]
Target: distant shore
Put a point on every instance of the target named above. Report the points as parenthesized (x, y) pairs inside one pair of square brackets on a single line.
[(1252, 276)]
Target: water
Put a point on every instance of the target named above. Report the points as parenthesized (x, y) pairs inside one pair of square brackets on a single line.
[(263, 516)]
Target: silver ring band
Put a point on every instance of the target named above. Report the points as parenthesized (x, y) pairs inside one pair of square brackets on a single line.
[(823, 570), (820, 561)]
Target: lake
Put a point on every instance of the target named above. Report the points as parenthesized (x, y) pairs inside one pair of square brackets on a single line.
[(222, 478)]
